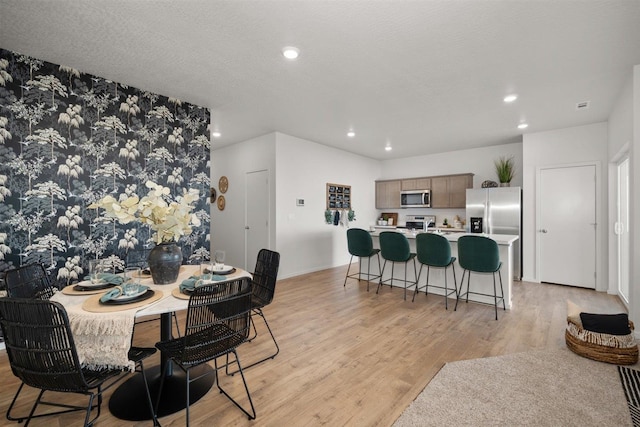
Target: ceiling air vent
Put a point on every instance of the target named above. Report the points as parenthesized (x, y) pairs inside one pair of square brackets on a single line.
[(582, 105)]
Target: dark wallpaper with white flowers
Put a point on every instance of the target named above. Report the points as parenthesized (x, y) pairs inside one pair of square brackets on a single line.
[(67, 139)]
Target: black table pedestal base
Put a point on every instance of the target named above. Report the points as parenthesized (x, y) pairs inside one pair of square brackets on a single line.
[(129, 400)]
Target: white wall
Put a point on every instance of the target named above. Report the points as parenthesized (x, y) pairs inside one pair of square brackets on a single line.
[(634, 306), (227, 226), (303, 168), (620, 140), (621, 119), (561, 147)]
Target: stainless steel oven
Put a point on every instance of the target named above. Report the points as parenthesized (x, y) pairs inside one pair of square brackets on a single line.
[(420, 222)]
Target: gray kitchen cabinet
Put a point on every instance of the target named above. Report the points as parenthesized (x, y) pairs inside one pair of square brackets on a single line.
[(388, 194), (450, 191), (416, 184), (458, 185)]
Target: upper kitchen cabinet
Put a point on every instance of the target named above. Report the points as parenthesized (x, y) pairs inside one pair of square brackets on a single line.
[(416, 184), (450, 191), (388, 194)]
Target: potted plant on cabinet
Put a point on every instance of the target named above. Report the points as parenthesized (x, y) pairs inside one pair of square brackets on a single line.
[(505, 170)]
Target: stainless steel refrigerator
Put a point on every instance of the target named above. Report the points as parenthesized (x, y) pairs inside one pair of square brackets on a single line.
[(497, 210)]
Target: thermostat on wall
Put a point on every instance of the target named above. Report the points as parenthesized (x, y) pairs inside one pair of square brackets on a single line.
[(299, 202)]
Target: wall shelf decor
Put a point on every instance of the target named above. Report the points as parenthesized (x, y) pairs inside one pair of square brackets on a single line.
[(223, 184), (338, 196)]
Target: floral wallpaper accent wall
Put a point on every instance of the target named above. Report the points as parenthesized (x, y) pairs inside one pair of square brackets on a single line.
[(68, 139)]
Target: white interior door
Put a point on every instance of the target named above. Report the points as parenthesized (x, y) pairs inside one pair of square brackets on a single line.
[(567, 226), (622, 229), (257, 216)]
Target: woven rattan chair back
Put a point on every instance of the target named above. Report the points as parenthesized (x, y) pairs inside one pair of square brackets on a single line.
[(217, 320), (42, 353), (265, 276), (40, 344), (28, 281)]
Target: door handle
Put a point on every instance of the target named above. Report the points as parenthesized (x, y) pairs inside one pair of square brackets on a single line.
[(618, 228), (246, 227), (543, 230)]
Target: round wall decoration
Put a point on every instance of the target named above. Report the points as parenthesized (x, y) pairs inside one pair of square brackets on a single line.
[(223, 184), (221, 202)]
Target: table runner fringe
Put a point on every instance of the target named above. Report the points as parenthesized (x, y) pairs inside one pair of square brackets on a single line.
[(104, 341)]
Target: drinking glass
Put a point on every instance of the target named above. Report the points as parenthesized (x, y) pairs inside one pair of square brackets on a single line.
[(218, 257), (206, 270), (96, 268), (130, 285)]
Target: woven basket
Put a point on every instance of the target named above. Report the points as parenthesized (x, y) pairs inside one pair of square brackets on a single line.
[(601, 353)]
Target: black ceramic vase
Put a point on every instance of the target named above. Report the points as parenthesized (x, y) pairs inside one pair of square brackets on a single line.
[(164, 262)]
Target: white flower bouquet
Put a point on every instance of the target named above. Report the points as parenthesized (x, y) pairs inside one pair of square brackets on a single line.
[(169, 219)]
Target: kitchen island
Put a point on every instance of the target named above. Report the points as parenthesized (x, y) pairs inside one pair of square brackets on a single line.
[(482, 283)]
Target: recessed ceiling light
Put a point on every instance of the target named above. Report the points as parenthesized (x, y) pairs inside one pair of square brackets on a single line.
[(388, 148), (510, 98), (523, 126), (351, 134), (216, 134), (291, 52)]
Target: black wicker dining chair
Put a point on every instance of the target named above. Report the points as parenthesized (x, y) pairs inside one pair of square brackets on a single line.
[(218, 319), (43, 355), (263, 288), (29, 281)]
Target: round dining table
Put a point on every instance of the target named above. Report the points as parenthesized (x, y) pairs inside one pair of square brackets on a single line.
[(129, 401)]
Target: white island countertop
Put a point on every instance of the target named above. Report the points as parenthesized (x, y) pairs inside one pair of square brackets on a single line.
[(501, 239)]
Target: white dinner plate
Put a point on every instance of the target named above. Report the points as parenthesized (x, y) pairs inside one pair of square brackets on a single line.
[(225, 269), (90, 284)]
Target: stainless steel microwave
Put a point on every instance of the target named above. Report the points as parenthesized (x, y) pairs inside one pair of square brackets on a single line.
[(415, 199)]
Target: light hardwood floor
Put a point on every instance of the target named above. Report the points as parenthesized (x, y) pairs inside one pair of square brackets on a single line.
[(351, 357)]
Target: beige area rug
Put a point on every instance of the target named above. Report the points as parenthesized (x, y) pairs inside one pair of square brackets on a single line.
[(539, 388)]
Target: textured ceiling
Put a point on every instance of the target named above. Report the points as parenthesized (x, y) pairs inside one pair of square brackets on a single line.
[(424, 76)]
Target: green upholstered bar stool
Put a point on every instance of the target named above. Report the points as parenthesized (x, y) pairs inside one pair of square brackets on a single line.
[(480, 254), (394, 247), (434, 250), (360, 244)]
